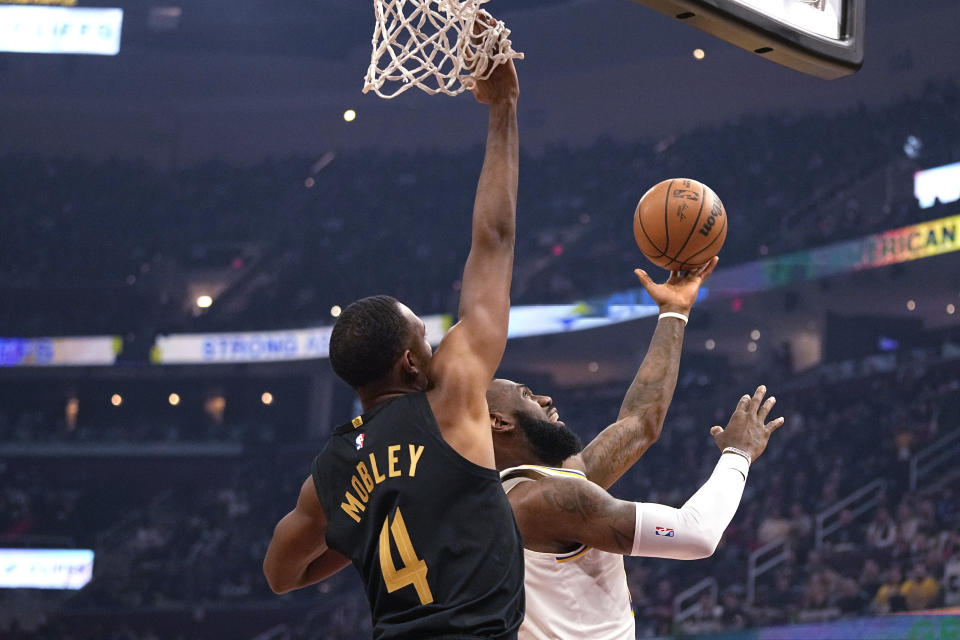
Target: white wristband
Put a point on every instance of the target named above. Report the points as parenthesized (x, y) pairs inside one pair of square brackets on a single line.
[(739, 452), (673, 314)]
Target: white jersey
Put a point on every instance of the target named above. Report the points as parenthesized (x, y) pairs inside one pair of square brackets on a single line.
[(581, 594)]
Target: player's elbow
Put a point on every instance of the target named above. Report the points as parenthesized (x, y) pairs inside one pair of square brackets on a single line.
[(277, 586), (703, 545), (277, 582), (704, 550), (496, 235), (700, 541)]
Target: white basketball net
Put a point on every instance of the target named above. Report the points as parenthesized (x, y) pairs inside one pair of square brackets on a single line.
[(426, 44)]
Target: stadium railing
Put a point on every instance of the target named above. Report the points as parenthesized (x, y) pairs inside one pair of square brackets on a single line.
[(762, 560), (862, 500), (692, 595), (941, 456)]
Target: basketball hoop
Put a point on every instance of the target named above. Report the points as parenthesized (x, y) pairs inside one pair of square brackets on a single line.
[(422, 43)]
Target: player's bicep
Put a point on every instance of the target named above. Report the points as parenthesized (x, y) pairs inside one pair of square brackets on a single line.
[(298, 539), (485, 288), (484, 310), (577, 511)]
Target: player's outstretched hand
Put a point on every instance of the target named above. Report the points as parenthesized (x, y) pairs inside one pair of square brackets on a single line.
[(679, 292), (746, 429)]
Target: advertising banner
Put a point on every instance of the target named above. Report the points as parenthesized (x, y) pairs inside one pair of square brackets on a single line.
[(544, 319), (226, 348), (59, 352), (45, 568), (923, 240), (33, 29), (910, 243), (261, 346), (311, 344)]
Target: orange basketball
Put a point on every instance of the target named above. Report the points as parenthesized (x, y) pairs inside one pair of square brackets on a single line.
[(680, 224)]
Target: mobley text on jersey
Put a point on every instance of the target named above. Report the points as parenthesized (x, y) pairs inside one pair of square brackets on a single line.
[(367, 478)]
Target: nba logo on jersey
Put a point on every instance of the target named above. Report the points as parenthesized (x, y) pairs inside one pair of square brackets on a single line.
[(359, 442), (663, 531)]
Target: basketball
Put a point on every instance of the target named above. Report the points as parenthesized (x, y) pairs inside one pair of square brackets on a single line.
[(679, 224)]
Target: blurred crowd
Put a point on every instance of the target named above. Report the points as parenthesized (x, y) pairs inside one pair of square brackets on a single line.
[(838, 437), (48, 427), (159, 410), (190, 535), (120, 247)]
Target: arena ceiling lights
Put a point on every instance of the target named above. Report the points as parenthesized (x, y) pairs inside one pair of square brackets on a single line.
[(822, 38)]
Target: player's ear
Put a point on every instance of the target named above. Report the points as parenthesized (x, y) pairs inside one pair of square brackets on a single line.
[(409, 363), (499, 423)]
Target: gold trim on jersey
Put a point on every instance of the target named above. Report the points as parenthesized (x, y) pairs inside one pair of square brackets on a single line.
[(357, 422), (538, 471), (574, 555)]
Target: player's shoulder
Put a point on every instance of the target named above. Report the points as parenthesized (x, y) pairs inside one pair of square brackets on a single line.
[(538, 490)]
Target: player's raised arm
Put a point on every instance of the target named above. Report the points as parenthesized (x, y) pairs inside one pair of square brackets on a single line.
[(466, 360), (645, 405), (571, 510)]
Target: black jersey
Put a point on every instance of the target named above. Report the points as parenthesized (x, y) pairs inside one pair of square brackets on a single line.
[(431, 533)]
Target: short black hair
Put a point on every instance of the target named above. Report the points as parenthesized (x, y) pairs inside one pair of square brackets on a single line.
[(367, 339)]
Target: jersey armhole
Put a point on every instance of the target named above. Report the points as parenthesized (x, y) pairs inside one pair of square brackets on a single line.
[(432, 428)]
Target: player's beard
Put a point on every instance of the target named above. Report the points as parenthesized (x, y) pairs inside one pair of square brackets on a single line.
[(550, 442)]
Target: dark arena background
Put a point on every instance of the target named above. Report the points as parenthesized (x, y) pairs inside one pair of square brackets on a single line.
[(188, 201)]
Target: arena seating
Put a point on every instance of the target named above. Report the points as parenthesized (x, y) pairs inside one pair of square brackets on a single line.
[(185, 535), (280, 237)]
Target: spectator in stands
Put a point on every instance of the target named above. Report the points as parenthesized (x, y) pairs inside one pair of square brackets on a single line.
[(888, 598), (801, 524), (815, 564), (870, 578), (947, 507), (921, 590), (951, 581), (882, 531), (774, 527), (705, 618), (815, 604), (660, 609), (848, 536), (783, 596), (734, 615), (908, 524), (852, 601)]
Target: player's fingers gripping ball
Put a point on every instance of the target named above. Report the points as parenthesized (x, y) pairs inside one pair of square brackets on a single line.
[(680, 224)]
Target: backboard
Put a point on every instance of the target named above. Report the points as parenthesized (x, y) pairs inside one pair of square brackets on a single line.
[(822, 38)]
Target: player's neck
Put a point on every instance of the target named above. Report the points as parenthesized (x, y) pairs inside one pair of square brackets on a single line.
[(371, 397), (508, 458)]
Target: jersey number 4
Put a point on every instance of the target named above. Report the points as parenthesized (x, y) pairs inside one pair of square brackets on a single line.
[(414, 571)]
